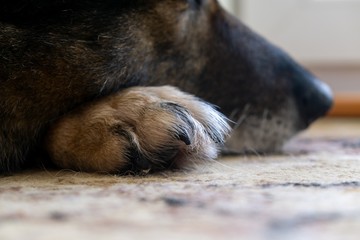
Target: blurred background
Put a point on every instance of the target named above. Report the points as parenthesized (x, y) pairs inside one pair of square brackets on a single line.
[(323, 35)]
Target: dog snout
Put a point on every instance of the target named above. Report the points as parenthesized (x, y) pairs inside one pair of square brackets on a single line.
[(314, 99)]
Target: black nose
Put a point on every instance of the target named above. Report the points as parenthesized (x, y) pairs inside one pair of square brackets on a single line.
[(313, 98)]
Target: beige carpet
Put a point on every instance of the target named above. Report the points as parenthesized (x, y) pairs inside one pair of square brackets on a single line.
[(313, 192)]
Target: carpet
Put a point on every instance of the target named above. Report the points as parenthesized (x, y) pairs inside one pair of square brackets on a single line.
[(311, 191)]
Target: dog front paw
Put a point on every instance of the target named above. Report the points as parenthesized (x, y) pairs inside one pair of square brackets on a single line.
[(138, 129)]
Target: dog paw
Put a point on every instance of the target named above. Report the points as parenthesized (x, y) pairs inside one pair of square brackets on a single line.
[(138, 129)]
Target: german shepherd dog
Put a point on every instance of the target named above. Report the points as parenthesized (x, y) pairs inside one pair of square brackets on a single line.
[(86, 81)]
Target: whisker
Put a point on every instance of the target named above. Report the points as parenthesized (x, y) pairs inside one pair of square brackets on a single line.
[(242, 117)]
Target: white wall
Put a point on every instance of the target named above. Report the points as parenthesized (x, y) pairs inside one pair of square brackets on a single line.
[(230, 5), (314, 31)]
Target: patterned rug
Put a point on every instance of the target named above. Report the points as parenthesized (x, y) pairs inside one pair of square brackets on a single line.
[(312, 191)]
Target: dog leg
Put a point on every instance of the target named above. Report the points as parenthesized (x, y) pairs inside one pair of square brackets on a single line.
[(138, 129)]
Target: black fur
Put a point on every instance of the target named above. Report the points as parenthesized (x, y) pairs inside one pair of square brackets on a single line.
[(57, 54)]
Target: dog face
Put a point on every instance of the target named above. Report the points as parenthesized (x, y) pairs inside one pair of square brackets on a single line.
[(200, 48)]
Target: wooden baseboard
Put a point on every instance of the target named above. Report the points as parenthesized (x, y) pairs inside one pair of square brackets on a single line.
[(346, 105)]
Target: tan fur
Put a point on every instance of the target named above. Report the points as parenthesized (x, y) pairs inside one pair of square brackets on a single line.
[(87, 139)]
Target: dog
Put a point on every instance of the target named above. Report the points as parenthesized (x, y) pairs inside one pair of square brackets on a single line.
[(111, 85)]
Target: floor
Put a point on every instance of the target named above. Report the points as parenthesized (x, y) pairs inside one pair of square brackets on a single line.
[(311, 192)]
